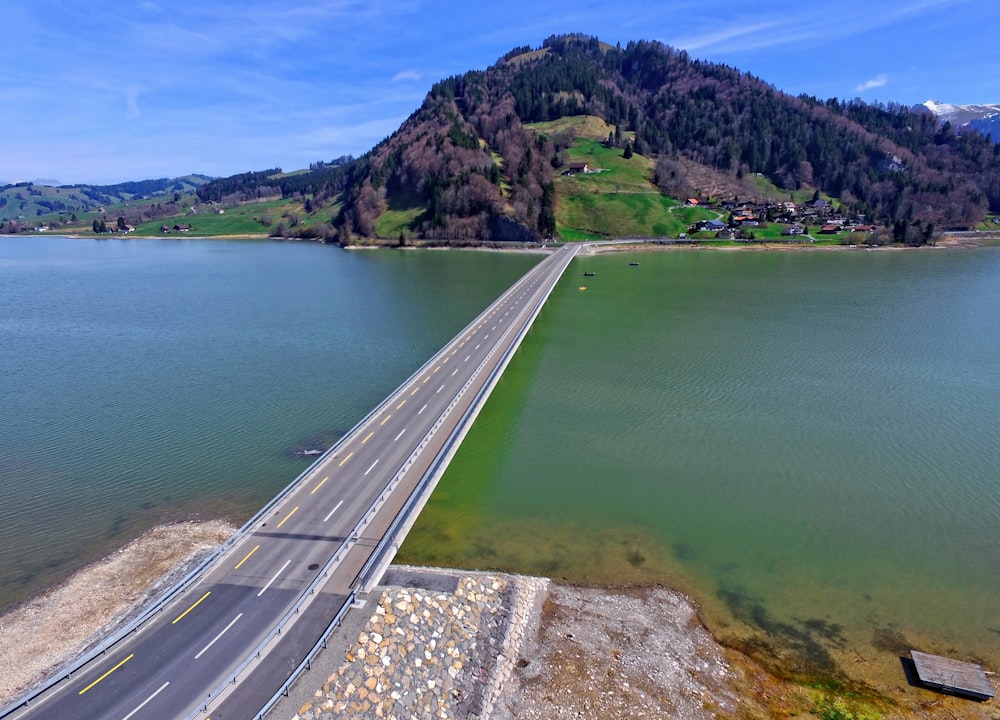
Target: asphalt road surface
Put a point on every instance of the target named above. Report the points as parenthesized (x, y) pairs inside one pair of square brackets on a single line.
[(337, 513)]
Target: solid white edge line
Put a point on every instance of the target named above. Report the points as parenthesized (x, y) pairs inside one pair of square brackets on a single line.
[(143, 703), (269, 582), (224, 631), (371, 467), (335, 509)]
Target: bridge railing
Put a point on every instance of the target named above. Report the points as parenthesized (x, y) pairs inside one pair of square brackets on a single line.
[(191, 578)]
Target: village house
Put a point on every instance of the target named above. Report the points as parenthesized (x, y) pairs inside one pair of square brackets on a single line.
[(577, 167)]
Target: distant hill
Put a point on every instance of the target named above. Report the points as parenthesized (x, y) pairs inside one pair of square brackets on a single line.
[(29, 200), (481, 159)]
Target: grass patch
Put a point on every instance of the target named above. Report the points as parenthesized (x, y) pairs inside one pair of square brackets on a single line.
[(616, 199), (399, 216), (240, 220), (585, 126)]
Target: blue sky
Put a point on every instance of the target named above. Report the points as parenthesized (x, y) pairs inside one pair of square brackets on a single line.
[(103, 91)]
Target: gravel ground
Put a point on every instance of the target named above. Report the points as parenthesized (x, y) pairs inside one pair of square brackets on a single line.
[(548, 651), (48, 631)]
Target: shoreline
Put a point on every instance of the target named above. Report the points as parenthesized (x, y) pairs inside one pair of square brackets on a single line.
[(549, 650), (965, 240), (39, 635)]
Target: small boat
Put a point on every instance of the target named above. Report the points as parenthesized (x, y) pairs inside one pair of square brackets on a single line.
[(633, 263), (589, 274)]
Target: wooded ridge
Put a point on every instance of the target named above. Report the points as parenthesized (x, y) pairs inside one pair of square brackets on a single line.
[(465, 167)]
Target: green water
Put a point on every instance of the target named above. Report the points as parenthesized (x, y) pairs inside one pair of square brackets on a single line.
[(805, 441), (143, 381)]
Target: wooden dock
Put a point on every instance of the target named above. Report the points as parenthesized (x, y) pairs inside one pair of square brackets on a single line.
[(952, 676)]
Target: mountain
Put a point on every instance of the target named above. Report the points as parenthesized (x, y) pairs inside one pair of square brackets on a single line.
[(960, 114), (988, 125), (484, 156)]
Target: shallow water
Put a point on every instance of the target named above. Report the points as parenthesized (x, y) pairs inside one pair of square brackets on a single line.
[(805, 441)]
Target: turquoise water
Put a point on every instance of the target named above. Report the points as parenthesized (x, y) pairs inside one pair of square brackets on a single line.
[(805, 441), (150, 380)]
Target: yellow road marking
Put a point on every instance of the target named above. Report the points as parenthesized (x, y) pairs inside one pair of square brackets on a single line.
[(345, 459), (321, 483), (107, 673), (437, 368), (414, 391), (181, 616), (427, 378), (367, 438), (454, 351), (401, 404), (444, 361), (294, 510), (384, 421), (246, 558)]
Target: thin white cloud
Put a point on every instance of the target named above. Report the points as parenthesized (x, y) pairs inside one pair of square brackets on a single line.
[(410, 75), (723, 37), (132, 103), (876, 82)]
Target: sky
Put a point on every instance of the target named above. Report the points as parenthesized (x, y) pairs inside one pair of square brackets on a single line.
[(106, 91)]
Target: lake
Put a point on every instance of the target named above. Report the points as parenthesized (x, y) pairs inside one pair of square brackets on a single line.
[(143, 381), (806, 442), (803, 441)]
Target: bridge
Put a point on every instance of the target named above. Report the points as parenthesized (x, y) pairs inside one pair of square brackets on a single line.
[(231, 637)]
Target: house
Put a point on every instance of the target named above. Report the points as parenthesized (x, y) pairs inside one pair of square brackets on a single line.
[(164, 229), (691, 201), (864, 229), (577, 167), (712, 225), (182, 228), (830, 229), (793, 230), (726, 234)]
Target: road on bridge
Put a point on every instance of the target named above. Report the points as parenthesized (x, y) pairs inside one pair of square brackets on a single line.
[(304, 557)]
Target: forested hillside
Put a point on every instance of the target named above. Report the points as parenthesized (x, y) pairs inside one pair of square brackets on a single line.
[(464, 166)]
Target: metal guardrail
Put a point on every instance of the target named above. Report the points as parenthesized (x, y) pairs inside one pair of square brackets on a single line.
[(160, 603), (390, 536), (359, 527)]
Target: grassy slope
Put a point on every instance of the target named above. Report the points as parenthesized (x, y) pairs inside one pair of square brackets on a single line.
[(618, 200), (74, 199), (241, 220)]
